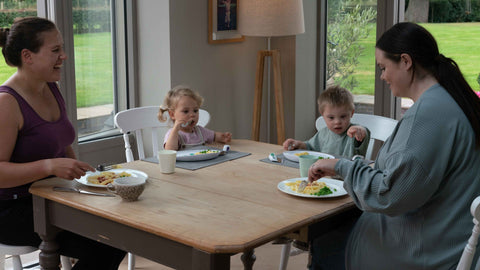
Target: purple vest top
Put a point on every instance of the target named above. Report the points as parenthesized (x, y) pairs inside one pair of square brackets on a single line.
[(38, 139)]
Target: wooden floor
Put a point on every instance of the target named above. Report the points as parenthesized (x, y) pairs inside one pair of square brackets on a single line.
[(268, 258)]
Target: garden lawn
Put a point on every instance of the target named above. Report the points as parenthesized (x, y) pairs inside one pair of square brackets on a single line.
[(93, 65), (459, 41)]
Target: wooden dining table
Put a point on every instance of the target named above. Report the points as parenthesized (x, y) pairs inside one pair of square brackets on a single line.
[(191, 219)]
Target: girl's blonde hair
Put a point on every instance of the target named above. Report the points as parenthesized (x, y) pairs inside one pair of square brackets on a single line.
[(173, 96), (335, 96)]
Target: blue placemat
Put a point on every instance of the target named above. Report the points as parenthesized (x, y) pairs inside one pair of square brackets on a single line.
[(285, 162), (195, 165)]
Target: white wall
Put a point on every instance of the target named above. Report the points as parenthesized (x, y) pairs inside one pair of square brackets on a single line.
[(153, 51), (224, 74), (305, 84)]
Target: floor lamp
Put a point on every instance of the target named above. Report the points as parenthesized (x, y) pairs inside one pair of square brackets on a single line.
[(269, 18)]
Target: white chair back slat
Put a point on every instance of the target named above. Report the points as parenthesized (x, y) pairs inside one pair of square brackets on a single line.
[(128, 148), (155, 141), (139, 138), (204, 118)]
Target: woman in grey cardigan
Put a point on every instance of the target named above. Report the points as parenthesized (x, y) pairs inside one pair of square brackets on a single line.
[(416, 199)]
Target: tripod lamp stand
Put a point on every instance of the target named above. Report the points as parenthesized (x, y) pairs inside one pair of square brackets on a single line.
[(270, 18)]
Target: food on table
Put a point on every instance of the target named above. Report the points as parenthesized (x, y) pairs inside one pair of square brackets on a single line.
[(315, 188), (208, 151), (301, 154), (104, 178)]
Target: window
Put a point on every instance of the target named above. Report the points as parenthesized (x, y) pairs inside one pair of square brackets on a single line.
[(94, 48), (346, 45), (96, 78), (11, 9), (456, 28), (96, 84), (350, 49)]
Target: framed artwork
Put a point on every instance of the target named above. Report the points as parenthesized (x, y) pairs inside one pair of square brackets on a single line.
[(223, 21)]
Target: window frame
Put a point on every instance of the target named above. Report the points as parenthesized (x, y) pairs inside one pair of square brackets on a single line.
[(125, 77), (389, 12)]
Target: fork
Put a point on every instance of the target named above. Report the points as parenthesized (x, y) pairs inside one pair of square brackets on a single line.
[(103, 167), (302, 186)]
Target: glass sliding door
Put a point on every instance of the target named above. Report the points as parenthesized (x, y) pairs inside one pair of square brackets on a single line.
[(94, 66)]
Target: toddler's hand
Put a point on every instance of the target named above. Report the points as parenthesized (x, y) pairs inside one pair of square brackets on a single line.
[(225, 137), (179, 124), (291, 144), (358, 132)]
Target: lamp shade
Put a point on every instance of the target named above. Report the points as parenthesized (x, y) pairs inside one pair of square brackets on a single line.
[(269, 18)]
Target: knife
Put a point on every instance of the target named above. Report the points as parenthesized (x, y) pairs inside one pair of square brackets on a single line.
[(66, 189)]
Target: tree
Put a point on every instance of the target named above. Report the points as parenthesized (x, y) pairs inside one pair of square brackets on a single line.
[(343, 49), (417, 11)]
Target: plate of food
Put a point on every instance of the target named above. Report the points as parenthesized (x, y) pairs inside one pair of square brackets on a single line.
[(322, 188), (197, 154), (102, 179), (293, 155)]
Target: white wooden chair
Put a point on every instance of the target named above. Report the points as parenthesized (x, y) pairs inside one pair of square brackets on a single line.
[(143, 120), (380, 129), (16, 251), (469, 250)]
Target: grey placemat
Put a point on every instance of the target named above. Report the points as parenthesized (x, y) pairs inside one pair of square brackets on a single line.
[(285, 162), (195, 165)]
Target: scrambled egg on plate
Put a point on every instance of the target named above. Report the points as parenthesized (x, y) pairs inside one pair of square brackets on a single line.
[(314, 188), (104, 178)]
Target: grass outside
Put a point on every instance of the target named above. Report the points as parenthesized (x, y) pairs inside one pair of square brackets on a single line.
[(459, 41), (94, 78), (93, 65)]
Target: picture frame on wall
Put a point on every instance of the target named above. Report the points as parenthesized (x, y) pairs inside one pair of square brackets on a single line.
[(223, 22)]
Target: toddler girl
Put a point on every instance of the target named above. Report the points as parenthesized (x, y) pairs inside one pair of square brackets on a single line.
[(183, 105)]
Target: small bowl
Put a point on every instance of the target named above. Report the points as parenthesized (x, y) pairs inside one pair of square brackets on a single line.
[(128, 188)]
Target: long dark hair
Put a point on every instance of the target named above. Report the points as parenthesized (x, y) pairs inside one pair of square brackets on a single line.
[(25, 33), (416, 41)]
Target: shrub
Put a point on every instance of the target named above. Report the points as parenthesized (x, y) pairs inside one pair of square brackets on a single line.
[(343, 48), (84, 20), (453, 11), (6, 18)]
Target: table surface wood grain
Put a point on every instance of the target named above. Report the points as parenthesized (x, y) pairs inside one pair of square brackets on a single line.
[(225, 208)]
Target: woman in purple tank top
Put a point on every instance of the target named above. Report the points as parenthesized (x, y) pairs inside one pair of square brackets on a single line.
[(36, 138)]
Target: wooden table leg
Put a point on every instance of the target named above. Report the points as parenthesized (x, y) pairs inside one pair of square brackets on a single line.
[(248, 259), (49, 257)]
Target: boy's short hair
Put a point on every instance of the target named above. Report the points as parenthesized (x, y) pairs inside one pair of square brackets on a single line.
[(336, 96)]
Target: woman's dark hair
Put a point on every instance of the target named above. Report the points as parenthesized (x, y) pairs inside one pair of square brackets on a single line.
[(416, 41), (25, 33)]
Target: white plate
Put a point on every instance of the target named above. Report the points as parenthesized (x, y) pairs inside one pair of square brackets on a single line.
[(335, 185), (189, 155), (290, 155), (83, 180)]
